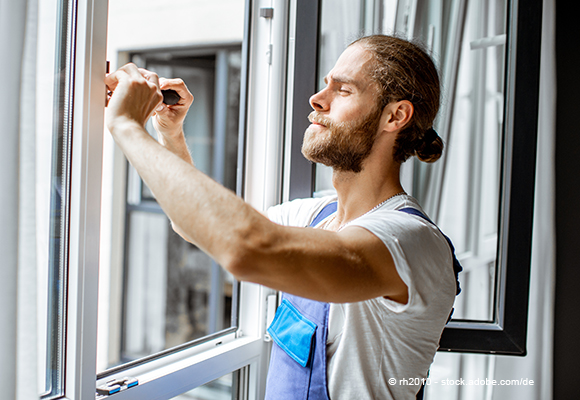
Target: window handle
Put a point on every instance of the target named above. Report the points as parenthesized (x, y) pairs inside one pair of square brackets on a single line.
[(116, 385)]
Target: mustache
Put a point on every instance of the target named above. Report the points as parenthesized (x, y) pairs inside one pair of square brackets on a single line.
[(316, 117)]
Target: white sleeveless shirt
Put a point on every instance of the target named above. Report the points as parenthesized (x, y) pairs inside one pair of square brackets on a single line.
[(376, 342)]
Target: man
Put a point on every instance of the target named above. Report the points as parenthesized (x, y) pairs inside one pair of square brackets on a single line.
[(369, 289)]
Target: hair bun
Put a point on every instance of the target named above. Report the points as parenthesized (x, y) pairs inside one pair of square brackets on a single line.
[(430, 136), (431, 148)]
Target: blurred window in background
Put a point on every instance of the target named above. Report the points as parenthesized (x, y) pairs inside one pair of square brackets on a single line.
[(157, 291)]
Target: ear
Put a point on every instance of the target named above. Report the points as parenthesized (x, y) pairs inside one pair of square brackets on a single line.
[(396, 115)]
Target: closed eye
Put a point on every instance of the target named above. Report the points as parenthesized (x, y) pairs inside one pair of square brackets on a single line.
[(344, 84)]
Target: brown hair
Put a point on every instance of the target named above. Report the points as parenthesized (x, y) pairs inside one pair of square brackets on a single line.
[(404, 71)]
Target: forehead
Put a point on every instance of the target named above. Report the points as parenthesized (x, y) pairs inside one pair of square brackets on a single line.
[(352, 66)]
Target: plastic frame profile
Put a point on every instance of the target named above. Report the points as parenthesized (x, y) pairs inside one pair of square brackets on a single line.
[(85, 196), (179, 372)]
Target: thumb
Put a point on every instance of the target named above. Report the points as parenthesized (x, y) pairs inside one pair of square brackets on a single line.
[(160, 108)]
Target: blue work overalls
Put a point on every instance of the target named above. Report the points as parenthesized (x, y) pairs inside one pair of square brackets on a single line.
[(299, 330)]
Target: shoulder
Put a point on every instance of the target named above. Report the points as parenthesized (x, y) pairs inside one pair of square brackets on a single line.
[(394, 221), (298, 212), (420, 252)]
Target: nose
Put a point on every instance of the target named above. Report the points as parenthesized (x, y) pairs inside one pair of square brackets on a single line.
[(318, 101)]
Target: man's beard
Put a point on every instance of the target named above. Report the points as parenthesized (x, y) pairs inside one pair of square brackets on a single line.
[(345, 145)]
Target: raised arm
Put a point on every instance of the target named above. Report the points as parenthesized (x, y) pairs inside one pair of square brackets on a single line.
[(168, 119), (348, 266)]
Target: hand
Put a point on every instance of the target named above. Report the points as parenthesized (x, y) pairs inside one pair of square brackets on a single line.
[(135, 94), (168, 120)]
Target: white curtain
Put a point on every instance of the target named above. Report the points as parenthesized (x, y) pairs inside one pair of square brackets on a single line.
[(17, 200)]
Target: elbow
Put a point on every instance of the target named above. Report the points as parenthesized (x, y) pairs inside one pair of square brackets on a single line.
[(248, 255), (242, 263), (180, 232)]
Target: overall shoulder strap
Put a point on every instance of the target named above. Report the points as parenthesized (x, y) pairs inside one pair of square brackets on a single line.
[(457, 268), (325, 212)]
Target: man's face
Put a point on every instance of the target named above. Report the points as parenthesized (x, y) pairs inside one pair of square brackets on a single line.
[(346, 114)]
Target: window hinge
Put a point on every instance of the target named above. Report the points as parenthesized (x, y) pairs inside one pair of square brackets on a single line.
[(271, 304), (267, 12)]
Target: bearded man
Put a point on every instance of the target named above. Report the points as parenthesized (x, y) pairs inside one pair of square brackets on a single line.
[(368, 280)]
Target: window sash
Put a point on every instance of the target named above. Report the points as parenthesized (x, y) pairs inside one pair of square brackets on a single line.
[(507, 334), (84, 226), (219, 355)]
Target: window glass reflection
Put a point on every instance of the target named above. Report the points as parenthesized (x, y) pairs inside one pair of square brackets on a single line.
[(157, 290)]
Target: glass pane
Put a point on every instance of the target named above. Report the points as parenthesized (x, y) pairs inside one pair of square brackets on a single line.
[(168, 285), (456, 376), (340, 23), (162, 291), (146, 284), (460, 192), (53, 162), (468, 178)]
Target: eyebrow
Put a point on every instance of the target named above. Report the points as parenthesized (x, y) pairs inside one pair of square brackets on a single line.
[(343, 79)]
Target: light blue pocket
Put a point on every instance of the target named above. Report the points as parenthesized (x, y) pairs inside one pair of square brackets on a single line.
[(293, 332)]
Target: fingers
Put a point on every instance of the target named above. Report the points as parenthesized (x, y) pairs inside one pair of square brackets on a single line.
[(169, 119), (130, 71), (149, 76), (130, 83), (179, 86), (113, 79), (111, 82), (134, 93)]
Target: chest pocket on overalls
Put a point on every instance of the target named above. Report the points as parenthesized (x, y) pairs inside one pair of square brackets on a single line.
[(293, 332)]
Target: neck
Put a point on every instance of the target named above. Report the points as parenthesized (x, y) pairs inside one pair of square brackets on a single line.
[(360, 192)]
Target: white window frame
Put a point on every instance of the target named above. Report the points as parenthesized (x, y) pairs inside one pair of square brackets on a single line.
[(182, 371), (85, 192)]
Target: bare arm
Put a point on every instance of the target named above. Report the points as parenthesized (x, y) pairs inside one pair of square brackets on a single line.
[(168, 120), (348, 266)]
